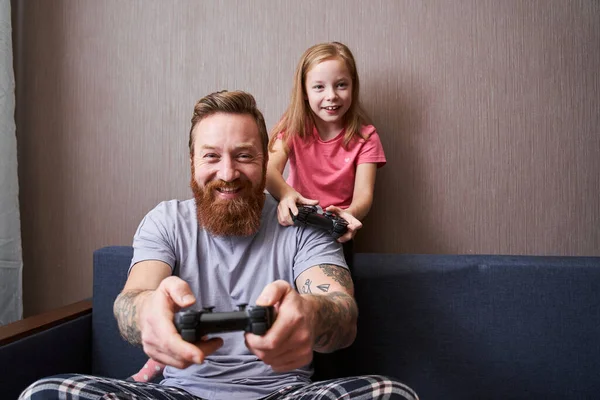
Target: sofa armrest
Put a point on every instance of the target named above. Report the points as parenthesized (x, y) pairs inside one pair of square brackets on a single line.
[(29, 326), (55, 342)]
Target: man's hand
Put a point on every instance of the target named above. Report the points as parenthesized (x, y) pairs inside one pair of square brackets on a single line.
[(288, 206), (146, 317), (322, 318), (289, 343), (353, 223)]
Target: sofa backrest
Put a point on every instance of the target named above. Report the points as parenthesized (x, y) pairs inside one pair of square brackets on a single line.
[(450, 326), (112, 356)]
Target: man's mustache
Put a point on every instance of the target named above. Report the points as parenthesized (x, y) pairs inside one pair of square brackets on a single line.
[(220, 184)]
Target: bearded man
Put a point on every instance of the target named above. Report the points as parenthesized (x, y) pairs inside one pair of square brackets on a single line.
[(222, 248)]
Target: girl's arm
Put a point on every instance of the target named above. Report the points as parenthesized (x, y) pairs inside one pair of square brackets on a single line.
[(276, 185), (364, 185), (286, 195)]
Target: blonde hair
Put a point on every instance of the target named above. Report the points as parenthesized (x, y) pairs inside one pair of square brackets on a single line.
[(236, 102), (298, 119)]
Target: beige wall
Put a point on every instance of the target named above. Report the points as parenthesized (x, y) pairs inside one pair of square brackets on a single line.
[(489, 113)]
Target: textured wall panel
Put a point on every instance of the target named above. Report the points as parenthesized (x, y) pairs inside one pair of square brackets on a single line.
[(488, 112)]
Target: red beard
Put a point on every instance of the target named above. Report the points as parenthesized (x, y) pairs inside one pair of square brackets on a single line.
[(234, 217)]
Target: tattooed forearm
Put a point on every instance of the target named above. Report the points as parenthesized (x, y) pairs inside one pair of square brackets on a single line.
[(125, 310), (336, 321)]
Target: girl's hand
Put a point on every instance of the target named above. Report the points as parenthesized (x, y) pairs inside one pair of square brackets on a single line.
[(353, 223), (288, 205)]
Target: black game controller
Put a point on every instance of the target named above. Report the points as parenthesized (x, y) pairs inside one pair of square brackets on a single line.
[(192, 325), (314, 216)]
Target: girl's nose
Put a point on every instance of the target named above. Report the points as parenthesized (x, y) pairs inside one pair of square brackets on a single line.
[(331, 94)]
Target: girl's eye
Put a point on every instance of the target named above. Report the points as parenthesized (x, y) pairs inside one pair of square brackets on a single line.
[(342, 84), (318, 87)]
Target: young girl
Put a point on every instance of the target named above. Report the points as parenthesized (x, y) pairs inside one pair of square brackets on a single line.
[(325, 134)]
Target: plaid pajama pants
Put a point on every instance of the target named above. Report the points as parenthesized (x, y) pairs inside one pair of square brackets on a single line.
[(75, 387)]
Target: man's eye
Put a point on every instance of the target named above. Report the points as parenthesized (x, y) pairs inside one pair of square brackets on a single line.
[(211, 155), (245, 157)]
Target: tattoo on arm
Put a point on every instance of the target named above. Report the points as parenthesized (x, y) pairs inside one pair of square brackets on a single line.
[(305, 289), (324, 287), (338, 274), (336, 321), (336, 311), (125, 310)]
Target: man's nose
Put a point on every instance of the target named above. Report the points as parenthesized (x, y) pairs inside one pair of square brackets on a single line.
[(228, 171)]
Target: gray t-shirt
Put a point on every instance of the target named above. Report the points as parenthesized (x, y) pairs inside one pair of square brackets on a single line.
[(224, 272)]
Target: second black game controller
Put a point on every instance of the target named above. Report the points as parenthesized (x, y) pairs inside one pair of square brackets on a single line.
[(192, 325), (315, 216)]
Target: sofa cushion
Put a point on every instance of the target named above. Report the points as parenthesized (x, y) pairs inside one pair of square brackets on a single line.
[(479, 326)]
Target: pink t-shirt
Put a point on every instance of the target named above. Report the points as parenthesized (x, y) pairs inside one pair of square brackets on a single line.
[(325, 171)]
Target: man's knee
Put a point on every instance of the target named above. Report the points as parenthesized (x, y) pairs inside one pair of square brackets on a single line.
[(47, 388), (356, 387), (390, 388)]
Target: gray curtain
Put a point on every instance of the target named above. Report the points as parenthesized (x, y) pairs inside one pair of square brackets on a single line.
[(11, 264)]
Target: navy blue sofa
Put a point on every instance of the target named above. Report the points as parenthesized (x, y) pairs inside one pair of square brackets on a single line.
[(450, 326)]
